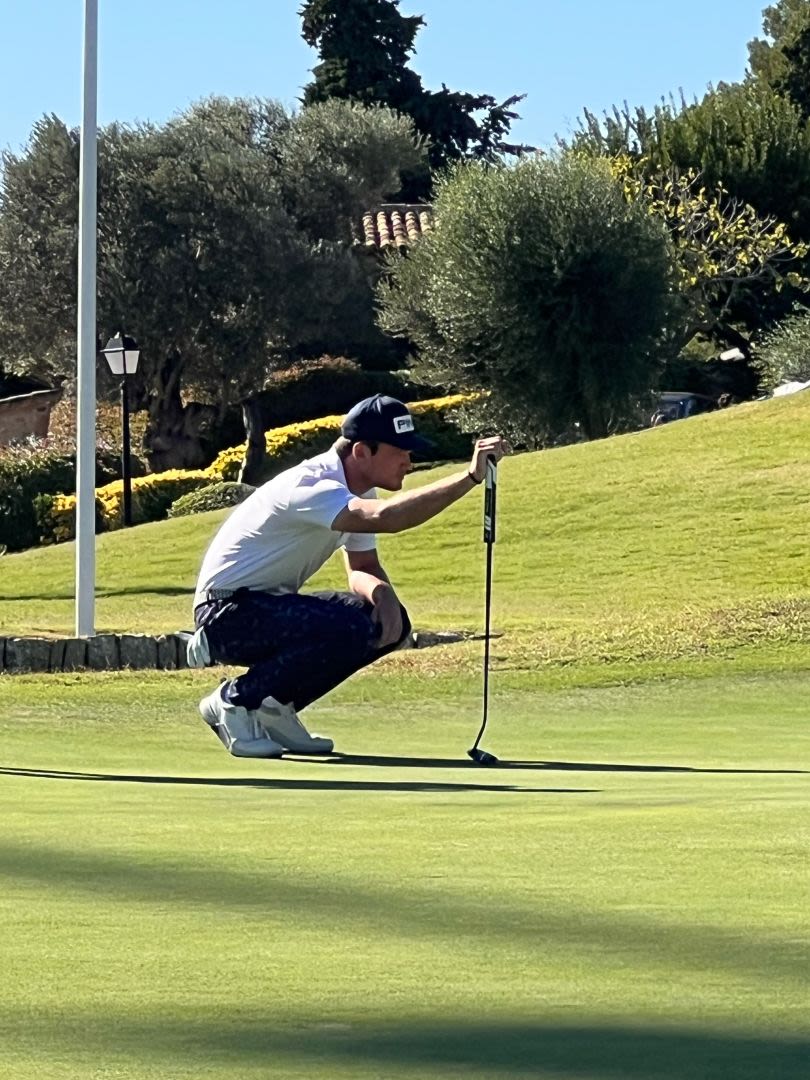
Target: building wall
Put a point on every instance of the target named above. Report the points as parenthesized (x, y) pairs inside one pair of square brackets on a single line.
[(26, 414)]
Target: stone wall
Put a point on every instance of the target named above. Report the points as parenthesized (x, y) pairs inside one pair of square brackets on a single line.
[(104, 652), (112, 652)]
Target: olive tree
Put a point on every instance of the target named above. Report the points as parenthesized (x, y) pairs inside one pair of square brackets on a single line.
[(542, 285), (784, 352), (224, 247)]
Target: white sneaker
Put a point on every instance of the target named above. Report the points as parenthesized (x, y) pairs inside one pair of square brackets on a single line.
[(237, 728), (283, 725)]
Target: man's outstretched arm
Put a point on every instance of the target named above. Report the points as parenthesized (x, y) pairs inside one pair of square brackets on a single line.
[(407, 509)]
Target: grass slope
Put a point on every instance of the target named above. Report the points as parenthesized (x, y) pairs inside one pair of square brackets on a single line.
[(670, 546)]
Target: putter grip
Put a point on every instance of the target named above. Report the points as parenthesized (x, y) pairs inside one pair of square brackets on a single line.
[(490, 493)]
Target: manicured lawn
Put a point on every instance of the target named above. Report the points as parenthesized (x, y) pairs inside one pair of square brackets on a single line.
[(627, 901)]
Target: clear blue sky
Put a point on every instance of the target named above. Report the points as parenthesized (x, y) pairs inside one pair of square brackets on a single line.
[(158, 56)]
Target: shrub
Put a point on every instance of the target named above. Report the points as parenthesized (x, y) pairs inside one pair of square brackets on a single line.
[(56, 517), (303, 391), (541, 284), (784, 354), (286, 446), (62, 432), (298, 392), (211, 497), (151, 498), (30, 469)]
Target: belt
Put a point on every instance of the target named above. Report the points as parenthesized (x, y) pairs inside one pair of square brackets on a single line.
[(222, 594), (243, 590)]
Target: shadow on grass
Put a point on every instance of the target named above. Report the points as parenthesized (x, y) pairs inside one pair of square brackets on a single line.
[(285, 784), (593, 766), (563, 766), (135, 590), (482, 1048), (348, 904)]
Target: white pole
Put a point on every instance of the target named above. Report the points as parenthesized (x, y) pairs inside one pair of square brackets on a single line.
[(86, 343)]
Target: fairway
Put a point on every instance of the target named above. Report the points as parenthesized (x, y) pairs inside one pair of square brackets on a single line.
[(627, 900)]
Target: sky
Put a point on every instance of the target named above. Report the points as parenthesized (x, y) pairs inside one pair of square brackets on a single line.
[(156, 57)]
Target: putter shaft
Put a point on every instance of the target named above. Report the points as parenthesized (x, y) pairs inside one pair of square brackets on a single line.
[(490, 499)]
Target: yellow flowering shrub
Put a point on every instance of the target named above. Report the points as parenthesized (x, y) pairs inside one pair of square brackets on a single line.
[(151, 498), (441, 405), (56, 518), (153, 495), (283, 445), (295, 442)]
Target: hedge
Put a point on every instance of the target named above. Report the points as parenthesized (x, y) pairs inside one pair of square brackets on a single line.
[(28, 469), (154, 495), (212, 497), (285, 446), (298, 393)]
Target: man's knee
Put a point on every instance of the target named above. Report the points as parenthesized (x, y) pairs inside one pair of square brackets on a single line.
[(404, 635)]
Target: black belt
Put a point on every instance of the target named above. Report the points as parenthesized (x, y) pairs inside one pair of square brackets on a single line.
[(223, 594)]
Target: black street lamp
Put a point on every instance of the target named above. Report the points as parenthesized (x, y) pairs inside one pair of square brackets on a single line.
[(122, 355)]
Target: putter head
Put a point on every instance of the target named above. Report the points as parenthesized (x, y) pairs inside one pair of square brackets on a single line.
[(481, 757)]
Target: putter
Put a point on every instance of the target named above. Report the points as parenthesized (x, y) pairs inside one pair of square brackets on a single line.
[(479, 756)]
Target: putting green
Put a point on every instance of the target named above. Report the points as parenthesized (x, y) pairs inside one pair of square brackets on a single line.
[(627, 900)]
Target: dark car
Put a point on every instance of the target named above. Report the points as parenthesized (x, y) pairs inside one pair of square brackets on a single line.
[(677, 405)]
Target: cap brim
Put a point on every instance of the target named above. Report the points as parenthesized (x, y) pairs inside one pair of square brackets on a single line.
[(415, 444)]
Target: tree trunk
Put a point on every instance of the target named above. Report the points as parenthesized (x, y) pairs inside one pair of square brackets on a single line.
[(172, 439), (250, 472)]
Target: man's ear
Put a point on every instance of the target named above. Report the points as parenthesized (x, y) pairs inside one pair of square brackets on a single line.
[(361, 451)]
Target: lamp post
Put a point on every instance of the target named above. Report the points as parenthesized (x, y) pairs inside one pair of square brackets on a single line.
[(122, 355)]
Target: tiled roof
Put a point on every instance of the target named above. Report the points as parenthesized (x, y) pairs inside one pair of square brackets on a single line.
[(395, 225)]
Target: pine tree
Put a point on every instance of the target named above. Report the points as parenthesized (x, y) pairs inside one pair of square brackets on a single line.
[(782, 22), (364, 48), (795, 82)]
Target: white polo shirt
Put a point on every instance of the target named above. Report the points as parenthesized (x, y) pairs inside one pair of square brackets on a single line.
[(280, 535)]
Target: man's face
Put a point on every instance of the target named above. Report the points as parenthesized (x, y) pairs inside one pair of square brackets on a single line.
[(389, 467)]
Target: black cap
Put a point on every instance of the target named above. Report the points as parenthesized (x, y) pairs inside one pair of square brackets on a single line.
[(384, 420)]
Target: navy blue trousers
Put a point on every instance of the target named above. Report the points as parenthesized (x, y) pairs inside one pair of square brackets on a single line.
[(296, 646)]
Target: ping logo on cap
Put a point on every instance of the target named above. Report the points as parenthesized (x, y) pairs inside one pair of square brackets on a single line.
[(403, 423)]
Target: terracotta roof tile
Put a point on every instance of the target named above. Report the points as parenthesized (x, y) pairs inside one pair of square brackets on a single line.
[(394, 226)]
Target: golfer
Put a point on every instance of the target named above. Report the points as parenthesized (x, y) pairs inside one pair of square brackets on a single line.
[(248, 607)]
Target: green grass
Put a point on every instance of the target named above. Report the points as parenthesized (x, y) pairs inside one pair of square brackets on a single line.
[(629, 902)]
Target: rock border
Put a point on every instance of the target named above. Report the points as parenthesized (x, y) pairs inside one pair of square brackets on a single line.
[(104, 652), (115, 652)]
